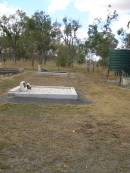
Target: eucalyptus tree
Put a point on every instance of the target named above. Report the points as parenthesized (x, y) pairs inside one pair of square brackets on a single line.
[(70, 31), (41, 29), (40, 36), (56, 33), (12, 28), (81, 53), (100, 36), (70, 38), (128, 35), (123, 37), (29, 41)]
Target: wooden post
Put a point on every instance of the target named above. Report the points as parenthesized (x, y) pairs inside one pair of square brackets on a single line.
[(120, 77)]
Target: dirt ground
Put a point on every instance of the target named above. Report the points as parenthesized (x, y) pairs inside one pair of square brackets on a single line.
[(67, 138)]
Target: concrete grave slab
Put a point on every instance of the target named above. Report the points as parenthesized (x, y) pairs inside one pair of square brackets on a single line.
[(47, 73), (45, 92)]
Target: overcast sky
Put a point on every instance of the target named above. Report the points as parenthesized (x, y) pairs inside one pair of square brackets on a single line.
[(83, 10)]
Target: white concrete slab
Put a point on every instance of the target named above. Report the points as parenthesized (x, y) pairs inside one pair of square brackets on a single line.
[(125, 81), (52, 73), (47, 92)]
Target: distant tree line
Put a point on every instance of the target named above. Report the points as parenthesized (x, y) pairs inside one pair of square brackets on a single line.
[(37, 38)]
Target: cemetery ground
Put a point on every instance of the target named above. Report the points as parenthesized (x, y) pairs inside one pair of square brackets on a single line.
[(66, 138)]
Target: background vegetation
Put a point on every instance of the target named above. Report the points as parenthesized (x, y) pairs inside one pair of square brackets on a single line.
[(37, 38)]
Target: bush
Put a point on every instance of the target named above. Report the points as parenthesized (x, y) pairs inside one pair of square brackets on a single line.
[(81, 59), (64, 57)]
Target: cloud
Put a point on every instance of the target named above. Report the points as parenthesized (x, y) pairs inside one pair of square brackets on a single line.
[(122, 5), (58, 5), (82, 33), (122, 22), (99, 8), (6, 9), (91, 5)]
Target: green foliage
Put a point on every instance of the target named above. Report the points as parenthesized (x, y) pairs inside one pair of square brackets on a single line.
[(81, 58), (124, 37), (36, 36), (81, 53), (12, 28), (101, 38), (63, 58), (70, 39), (41, 34)]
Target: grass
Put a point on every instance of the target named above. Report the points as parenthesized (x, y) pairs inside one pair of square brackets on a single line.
[(58, 138)]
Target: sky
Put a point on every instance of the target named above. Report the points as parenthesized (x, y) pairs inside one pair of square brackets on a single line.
[(83, 10)]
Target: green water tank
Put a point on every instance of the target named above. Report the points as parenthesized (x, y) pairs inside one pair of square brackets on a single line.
[(119, 60)]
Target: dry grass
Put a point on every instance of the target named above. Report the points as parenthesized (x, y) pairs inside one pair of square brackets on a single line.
[(57, 138)]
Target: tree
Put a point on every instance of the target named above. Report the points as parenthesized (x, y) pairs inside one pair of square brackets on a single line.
[(70, 37), (41, 37), (56, 33), (12, 28), (29, 41), (62, 56), (124, 36), (100, 36), (42, 34), (81, 53), (128, 36)]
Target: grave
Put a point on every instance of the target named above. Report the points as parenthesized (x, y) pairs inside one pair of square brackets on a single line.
[(45, 92), (125, 81), (42, 71), (55, 73), (10, 71)]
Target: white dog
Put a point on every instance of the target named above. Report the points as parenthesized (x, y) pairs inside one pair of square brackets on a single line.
[(24, 86)]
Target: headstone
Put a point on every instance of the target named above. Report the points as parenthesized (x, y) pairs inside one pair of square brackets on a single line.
[(39, 68)]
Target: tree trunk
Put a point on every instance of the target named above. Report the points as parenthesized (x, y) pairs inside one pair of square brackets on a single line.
[(40, 58), (33, 61), (45, 61), (15, 50), (45, 58), (93, 67)]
